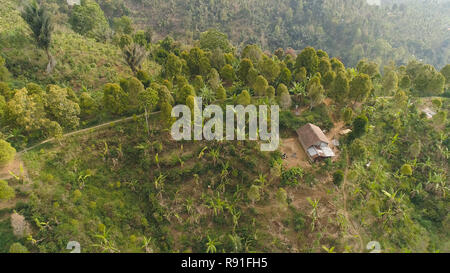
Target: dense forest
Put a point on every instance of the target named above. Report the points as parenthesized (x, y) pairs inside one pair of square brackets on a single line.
[(86, 155), (348, 29)]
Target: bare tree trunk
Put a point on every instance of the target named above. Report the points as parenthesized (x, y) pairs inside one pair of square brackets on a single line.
[(51, 62)]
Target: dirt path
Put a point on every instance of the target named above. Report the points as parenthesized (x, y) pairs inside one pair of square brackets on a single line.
[(334, 132), (346, 214), (85, 130), (14, 167)]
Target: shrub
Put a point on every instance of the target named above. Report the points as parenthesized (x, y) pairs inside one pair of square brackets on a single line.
[(406, 169), (6, 192), (338, 177), (7, 152), (291, 177), (299, 221), (18, 248)]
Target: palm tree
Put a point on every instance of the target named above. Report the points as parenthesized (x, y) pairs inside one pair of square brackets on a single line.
[(39, 20), (207, 95), (134, 56)]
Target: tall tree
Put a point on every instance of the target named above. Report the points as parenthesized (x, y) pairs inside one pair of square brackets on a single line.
[(308, 59), (40, 23), (390, 82), (114, 99), (340, 88), (148, 99), (7, 152), (134, 56), (260, 86), (60, 108), (360, 87)]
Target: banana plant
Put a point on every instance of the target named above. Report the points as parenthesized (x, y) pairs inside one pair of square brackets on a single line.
[(314, 212), (211, 245), (214, 153), (157, 160), (105, 244), (146, 244), (202, 152)]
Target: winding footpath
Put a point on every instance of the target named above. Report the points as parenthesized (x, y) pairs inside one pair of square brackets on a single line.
[(96, 127)]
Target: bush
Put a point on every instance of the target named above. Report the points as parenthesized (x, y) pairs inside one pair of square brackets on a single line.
[(291, 177), (358, 150), (6, 192), (299, 221), (7, 152), (360, 127), (406, 169), (18, 248), (338, 177)]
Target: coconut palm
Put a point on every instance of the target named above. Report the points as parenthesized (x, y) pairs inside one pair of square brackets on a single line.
[(134, 56), (40, 22)]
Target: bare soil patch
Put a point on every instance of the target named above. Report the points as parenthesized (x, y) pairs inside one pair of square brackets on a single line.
[(296, 156), (13, 167)]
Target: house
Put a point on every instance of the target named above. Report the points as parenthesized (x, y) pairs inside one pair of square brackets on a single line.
[(314, 142)]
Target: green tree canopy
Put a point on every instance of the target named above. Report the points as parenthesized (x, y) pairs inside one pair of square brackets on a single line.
[(40, 22), (390, 82), (62, 109), (7, 152), (18, 248), (227, 73), (341, 87), (88, 19), (360, 87), (260, 86), (6, 192), (213, 39), (244, 98), (269, 68), (360, 126), (244, 67), (308, 59), (252, 52), (173, 66), (114, 99), (184, 92)]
